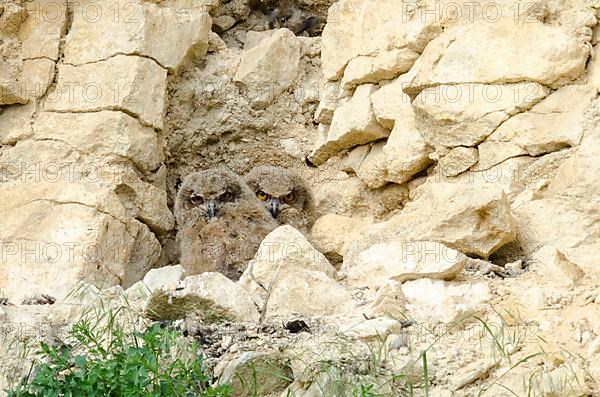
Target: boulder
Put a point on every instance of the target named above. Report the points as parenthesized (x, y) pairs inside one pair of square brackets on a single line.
[(286, 272), (15, 123), (373, 169), (390, 103), (506, 51), (466, 114), (384, 66), (42, 29), (403, 261), (353, 124), (372, 29), (406, 152), (269, 68), (167, 34), (469, 213), (110, 135), (212, 296), (131, 84), (555, 123), (457, 161), (431, 302)]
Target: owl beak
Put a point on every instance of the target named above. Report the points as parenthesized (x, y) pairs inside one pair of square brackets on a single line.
[(212, 208), (274, 207)]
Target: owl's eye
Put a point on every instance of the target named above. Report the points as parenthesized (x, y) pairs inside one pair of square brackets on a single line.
[(196, 200), (227, 196), (289, 198), (262, 196)]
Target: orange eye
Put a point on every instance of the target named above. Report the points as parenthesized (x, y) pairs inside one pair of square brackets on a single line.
[(227, 196), (196, 200), (262, 196), (289, 198)]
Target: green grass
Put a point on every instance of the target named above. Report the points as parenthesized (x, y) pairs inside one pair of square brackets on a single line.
[(102, 357)]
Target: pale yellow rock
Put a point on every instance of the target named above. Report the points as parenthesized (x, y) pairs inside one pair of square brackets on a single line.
[(436, 301), (352, 161), (56, 169), (406, 152), (349, 196), (53, 246), (11, 67), (553, 266), (390, 103), (212, 296), (167, 34), (373, 169), (12, 15), (469, 213), (15, 123), (403, 261), (333, 233), (353, 124), (356, 28), (384, 66), (288, 266), (492, 153), (501, 52), (37, 76), (270, 67), (466, 114), (133, 84), (553, 124), (111, 135), (371, 330), (458, 160), (42, 29)]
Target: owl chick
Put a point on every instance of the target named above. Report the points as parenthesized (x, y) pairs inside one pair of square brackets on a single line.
[(285, 194), (221, 223)]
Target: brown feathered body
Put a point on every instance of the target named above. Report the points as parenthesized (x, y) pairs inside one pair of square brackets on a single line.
[(220, 223), (285, 194)]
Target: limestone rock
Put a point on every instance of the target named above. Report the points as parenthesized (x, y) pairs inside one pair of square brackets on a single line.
[(333, 233), (435, 301), (373, 169), (553, 266), (390, 103), (457, 161), (553, 124), (165, 276), (15, 123), (466, 114), (256, 373), (132, 84), (406, 152), (270, 67), (12, 15), (402, 261), (467, 213), (349, 196), (212, 296), (354, 158), (376, 329), (36, 77), (356, 28), (384, 66), (56, 245), (501, 52), (288, 266), (112, 135), (11, 67), (566, 216), (43, 28), (353, 124), (167, 34), (492, 153)]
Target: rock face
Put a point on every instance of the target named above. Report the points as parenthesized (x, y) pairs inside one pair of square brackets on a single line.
[(469, 54), (83, 155)]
